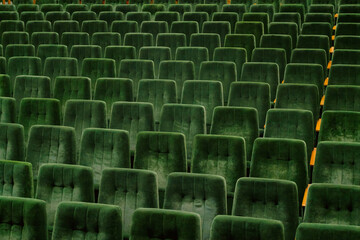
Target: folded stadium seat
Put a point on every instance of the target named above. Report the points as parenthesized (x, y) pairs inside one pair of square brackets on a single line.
[(26, 5), (9, 15), (186, 27), (332, 204), (278, 41), (57, 16), (250, 27), (51, 7), (348, 18), (156, 54), (23, 66), (23, 218), (104, 39), (138, 40), (83, 16), (295, 8), (124, 27), (51, 50), (125, 8), (38, 38), (17, 50), (299, 96), (208, 40), (219, 27), (230, 17), (240, 9), (314, 56), (11, 25), (346, 56), (65, 26), (7, 7), (81, 52), (138, 17), (203, 194), (3, 65), (75, 7), (168, 17), (153, 9), (246, 41), (12, 140), (285, 28), (12, 37), (256, 197), (130, 182), (285, 159), (38, 26), (93, 26), (322, 8), (110, 17), (60, 66), (180, 70), (288, 18), (5, 88), (104, 148), (317, 28), (31, 16), (95, 68), (62, 182), (319, 17), (150, 223), (342, 74), (275, 55), (342, 98), (74, 38), (199, 17), (299, 124), (210, 9), (320, 231), (87, 219), (98, 8), (351, 8), (180, 8), (154, 27), (233, 54), (171, 40), (119, 53)]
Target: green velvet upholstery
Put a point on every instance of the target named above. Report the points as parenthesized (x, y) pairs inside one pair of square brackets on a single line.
[(17, 179), (250, 27), (285, 28), (50, 7), (299, 8), (130, 189), (93, 26), (340, 126), (80, 52), (57, 16), (288, 17), (60, 66), (168, 17), (10, 25), (87, 220), (14, 37), (23, 66), (240, 9), (219, 27), (203, 194), (38, 38), (119, 53), (154, 28), (209, 40), (104, 148), (197, 55), (132, 117), (7, 110), (180, 8), (5, 88), (199, 17), (232, 54), (230, 17), (156, 224), (138, 17), (346, 56), (98, 8), (263, 8), (275, 55), (210, 9), (38, 26), (314, 41), (31, 16), (156, 54), (343, 98), (23, 218), (171, 40), (95, 68), (50, 144), (319, 17), (157, 92), (220, 155), (317, 28), (268, 198), (62, 26), (299, 96), (3, 65), (12, 142), (185, 27), (342, 74), (110, 17), (347, 42), (138, 40), (258, 17), (277, 41), (184, 118), (104, 39), (318, 231), (246, 228), (275, 3), (125, 8), (332, 204), (8, 7), (17, 50), (9, 15), (251, 94), (347, 29), (51, 50), (314, 56), (124, 27), (61, 182), (348, 18)]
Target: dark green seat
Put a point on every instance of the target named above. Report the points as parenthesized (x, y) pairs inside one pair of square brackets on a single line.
[(57, 16), (314, 41), (104, 39), (348, 18), (274, 55), (93, 26), (11, 25), (240, 9), (237, 121), (180, 8), (278, 41), (110, 17), (321, 8), (275, 3), (258, 17), (267, 8), (151, 223), (346, 56), (288, 28), (12, 142), (62, 26), (51, 50), (246, 41), (25, 5), (232, 227), (80, 52), (50, 7), (210, 9), (119, 53), (31, 16), (347, 42), (74, 7), (138, 17), (342, 98), (82, 16), (132, 117), (124, 27), (95, 68), (257, 198), (155, 54), (180, 70), (19, 50), (250, 27), (7, 110), (288, 18), (185, 27), (199, 17), (23, 66), (231, 17), (294, 8), (203, 194), (125, 8), (153, 9), (343, 74), (347, 29), (219, 27), (138, 40), (38, 38), (208, 40), (3, 69), (349, 8), (157, 92), (154, 28), (23, 218), (315, 56), (101, 7), (233, 54), (87, 219), (291, 123), (251, 94), (319, 231), (168, 17), (38, 26), (9, 15), (7, 7), (14, 37), (171, 40), (60, 66), (319, 17), (5, 84), (50, 144), (194, 54)]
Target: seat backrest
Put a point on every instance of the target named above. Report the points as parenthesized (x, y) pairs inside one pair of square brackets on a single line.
[(125, 8), (119, 53), (7, 110), (230, 17), (232, 54), (208, 40), (93, 26), (80, 52), (61, 26), (154, 27), (314, 41), (195, 54), (138, 40), (51, 50), (288, 28), (275, 55), (12, 142), (171, 40), (317, 28), (38, 38), (156, 54), (10, 25), (347, 42), (250, 27), (14, 37), (14, 50), (168, 17), (124, 27), (312, 231), (60, 66), (219, 27), (54, 16), (346, 56), (347, 29), (315, 56), (23, 66), (185, 27), (104, 39), (138, 17), (343, 98), (95, 68), (74, 38), (278, 41), (343, 74), (180, 8), (288, 17), (110, 17), (199, 17)]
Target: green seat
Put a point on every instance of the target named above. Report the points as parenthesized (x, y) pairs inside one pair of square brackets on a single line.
[(38, 38), (274, 55), (93, 26), (104, 148), (82, 114), (139, 190), (62, 182), (288, 18), (156, 54), (240, 9), (13, 37), (110, 17), (319, 17), (80, 52), (299, 96), (136, 69), (23, 218), (98, 8), (23, 66), (348, 18), (251, 94), (87, 219), (222, 71), (38, 26), (208, 40), (347, 42), (112, 90), (168, 17), (319, 231), (347, 29), (82, 16), (267, 8), (50, 7), (184, 118), (157, 92), (12, 142), (293, 124), (154, 28), (346, 56), (350, 8), (257, 198), (321, 8), (219, 27), (314, 41), (119, 53), (153, 9), (25, 5), (5, 88), (340, 126), (233, 54), (138, 17), (7, 7), (237, 121), (230, 17), (186, 27), (250, 27), (95, 68), (278, 41), (138, 40), (314, 56), (7, 110), (103, 39), (74, 7), (180, 70), (19, 50), (232, 227), (62, 26), (210, 9), (151, 223), (50, 144), (3, 65), (124, 27), (258, 17), (336, 163), (57, 16), (203, 194), (132, 117), (10, 25), (180, 8), (51, 50), (9, 15), (289, 28), (31, 16), (199, 17), (125, 8), (246, 41), (275, 3), (294, 8), (171, 40), (342, 98), (207, 93), (342, 74), (59, 66)]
